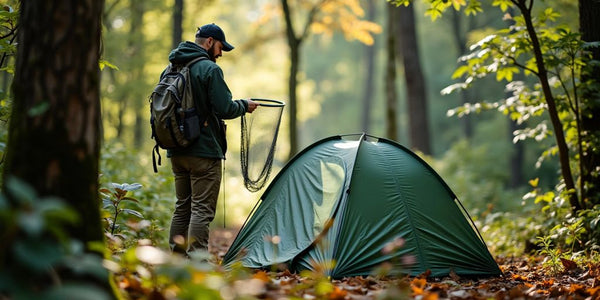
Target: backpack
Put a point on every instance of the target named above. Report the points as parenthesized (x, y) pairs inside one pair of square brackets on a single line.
[(174, 118)]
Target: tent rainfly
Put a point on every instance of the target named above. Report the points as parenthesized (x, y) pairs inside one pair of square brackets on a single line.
[(343, 203)]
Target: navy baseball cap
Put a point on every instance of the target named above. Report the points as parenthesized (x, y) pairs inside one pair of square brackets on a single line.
[(214, 31)]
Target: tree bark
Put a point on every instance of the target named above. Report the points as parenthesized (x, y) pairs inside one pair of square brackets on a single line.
[(408, 49), (563, 150), (516, 158), (589, 27), (518, 155), (460, 39), (391, 95), (294, 44), (54, 141), (177, 23), (136, 42), (370, 54)]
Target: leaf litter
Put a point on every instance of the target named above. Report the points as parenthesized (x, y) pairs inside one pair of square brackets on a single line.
[(522, 278)]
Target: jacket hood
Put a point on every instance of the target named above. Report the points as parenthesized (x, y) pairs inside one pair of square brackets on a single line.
[(185, 52)]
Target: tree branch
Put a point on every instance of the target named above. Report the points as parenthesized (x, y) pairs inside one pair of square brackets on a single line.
[(311, 18)]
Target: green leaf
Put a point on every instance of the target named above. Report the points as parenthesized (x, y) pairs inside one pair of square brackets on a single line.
[(116, 186), (81, 291), (105, 191), (39, 109), (400, 2), (21, 190), (133, 212), (588, 45), (132, 187), (86, 264), (451, 88), (594, 223), (105, 63), (31, 222), (37, 254), (460, 71), (130, 199), (433, 13), (107, 203), (503, 4)]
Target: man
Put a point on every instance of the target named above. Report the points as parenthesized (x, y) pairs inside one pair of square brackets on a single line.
[(197, 168)]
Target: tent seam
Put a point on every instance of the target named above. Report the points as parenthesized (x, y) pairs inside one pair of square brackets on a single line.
[(412, 225), (345, 196)]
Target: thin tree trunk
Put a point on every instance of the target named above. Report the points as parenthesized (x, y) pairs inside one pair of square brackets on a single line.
[(461, 45), (370, 54), (177, 23), (391, 94), (563, 150), (516, 159), (294, 44), (292, 91), (136, 45), (518, 154), (408, 49), (589, 26)]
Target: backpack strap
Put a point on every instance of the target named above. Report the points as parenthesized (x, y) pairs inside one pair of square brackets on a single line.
[(204, 107), (191, 62), (155, 152)]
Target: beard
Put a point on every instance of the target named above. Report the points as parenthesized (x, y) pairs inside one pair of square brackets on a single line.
[(211, 53)]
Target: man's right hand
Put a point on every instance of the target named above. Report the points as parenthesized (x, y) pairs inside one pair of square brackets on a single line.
[(251, 105)]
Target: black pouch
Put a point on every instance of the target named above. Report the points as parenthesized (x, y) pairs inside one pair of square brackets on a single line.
[(191, 124), (222, 132)]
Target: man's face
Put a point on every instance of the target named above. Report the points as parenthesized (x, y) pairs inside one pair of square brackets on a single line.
[(215, 51)]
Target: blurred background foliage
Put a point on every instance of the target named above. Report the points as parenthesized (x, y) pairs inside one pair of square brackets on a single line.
[(331, 85)]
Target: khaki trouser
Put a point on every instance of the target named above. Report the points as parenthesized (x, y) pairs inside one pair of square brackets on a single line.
[(197, 182)]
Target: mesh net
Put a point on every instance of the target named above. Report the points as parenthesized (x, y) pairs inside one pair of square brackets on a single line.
[(259, 137)]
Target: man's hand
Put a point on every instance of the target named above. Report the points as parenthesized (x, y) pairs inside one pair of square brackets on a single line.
[(251, 105)]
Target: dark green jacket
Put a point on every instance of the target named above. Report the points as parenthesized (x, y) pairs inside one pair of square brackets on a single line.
[(213, 100)]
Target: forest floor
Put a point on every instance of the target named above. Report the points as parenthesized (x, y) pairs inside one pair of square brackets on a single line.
[(523, 278)]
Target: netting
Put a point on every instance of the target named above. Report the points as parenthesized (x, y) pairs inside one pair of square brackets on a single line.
[(259, 137)]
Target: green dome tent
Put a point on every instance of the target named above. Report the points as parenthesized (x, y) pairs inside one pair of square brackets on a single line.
[(341, 201)]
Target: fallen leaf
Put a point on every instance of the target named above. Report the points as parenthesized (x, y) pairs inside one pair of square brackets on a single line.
[(454, 276), (594, 292), (337, 294), (425, 274), (430, 296), (568, 264), (519, 277), (262, 276), (575, 288), (418, 286)]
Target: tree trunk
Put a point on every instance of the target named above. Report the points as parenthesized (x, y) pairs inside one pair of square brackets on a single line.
[(370, 54), (391, 94), (516, 159), (460, 39), (177, 23), (294, 44), (54, 140), (292, 91), (518, 155), (136, 96), (589, 26), (408, 49), (563, 150)]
